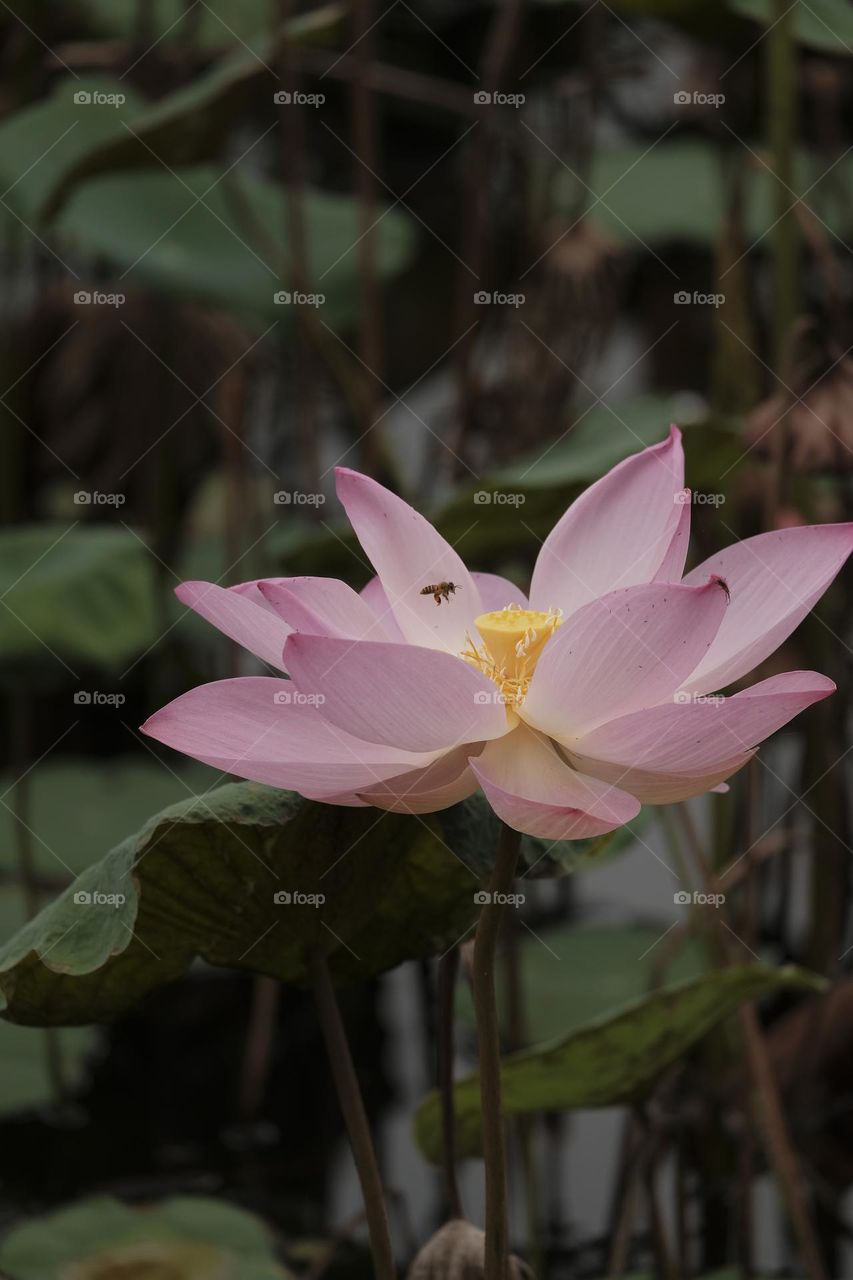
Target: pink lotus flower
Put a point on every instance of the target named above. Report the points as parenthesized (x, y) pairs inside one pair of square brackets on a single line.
[(570, 711)]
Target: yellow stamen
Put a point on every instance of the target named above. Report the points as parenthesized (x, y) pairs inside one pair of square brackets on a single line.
[(513, 639)]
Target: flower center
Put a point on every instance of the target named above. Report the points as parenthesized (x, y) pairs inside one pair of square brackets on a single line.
[(512, 640)]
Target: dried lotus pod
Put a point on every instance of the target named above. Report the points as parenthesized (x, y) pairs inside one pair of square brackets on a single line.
[(815, 410), (458, 1252)]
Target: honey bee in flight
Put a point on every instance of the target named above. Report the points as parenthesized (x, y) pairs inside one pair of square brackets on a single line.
[(440, 590)]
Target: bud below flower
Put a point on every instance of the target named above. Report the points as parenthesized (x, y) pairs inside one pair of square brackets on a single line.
[(457, 1252)]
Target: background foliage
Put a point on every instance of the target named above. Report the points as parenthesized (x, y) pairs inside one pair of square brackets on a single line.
[(654, 197)]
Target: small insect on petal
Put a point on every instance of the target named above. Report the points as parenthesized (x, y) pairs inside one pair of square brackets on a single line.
[(440, 590)]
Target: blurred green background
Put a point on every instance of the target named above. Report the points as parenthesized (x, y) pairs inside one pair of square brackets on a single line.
[(482, 252)]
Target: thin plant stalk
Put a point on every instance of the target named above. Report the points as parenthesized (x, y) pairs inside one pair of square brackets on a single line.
[(780, 86), (489, 1050), (525, 1131), (355, 1116), (448, 967), (774, 1127), (259, 1044), (365, 146)]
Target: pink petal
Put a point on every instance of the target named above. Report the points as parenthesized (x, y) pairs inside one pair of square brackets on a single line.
[(672, 565), (628, 650), (254, 728), (660, 788), (252, 591), (322, 607), (702, 737), (347, 799), (374, 596), (409, 554), (531, 789), (774, 579), (235, 613), (400, 694), (440, 785), (616, 534), (497, 592)]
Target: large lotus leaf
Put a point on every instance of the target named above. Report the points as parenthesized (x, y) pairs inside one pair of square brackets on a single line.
[(73, 595), (611, 1061), (76, 808), (41, 143), (247, 877), (216, 24), (187, 232), (703, 18), (72, 807), (602, 436), (617, 963), (821, 24), (674, 191), (485, 530), (25, 1075), (189, 124), (187, 1238)]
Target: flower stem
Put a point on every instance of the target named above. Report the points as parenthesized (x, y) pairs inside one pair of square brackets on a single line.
[(489, 1049), (448, 967), (355, 1116)]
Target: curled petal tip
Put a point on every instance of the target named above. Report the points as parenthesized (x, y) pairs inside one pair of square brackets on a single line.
[(184, 589), (718, 581)]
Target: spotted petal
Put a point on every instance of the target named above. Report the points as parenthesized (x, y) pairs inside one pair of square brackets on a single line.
[(409, 554), (617, 533)]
